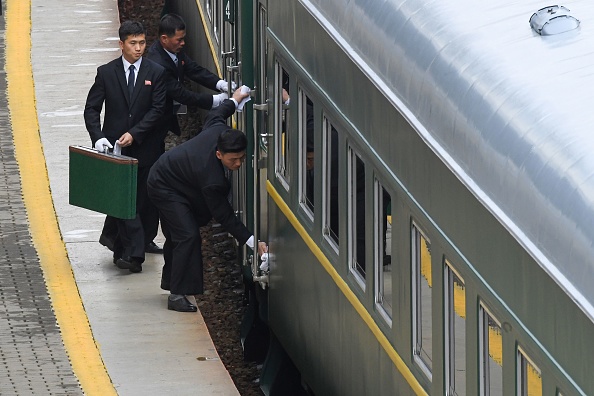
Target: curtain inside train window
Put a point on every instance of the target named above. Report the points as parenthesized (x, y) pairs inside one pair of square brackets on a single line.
[(529, 377)]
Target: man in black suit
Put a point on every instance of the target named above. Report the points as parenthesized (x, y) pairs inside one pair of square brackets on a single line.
[(133, 91), (168, 51), (189, 186)]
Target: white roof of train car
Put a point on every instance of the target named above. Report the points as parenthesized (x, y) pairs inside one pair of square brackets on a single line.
[(509, 111)]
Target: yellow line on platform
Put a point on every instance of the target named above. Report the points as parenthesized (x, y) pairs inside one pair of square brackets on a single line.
[(74, 325)]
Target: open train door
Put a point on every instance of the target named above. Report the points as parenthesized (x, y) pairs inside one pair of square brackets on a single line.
[(261, 135), (253, 43)]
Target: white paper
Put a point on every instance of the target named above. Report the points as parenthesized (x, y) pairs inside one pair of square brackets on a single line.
[(244, 89)]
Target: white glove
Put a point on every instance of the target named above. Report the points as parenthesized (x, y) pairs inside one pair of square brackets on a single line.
[(99, 145), (223, 86), (218, 99), (264, 266)]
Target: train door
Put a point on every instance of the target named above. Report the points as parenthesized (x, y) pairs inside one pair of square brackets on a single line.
[(229, 26), (261, 136)]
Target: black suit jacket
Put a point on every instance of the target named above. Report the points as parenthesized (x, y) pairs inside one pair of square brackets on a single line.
[(174, 82), (192, 173), (139, 114)]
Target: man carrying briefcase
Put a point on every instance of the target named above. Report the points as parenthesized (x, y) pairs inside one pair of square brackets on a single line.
[(132, 89)]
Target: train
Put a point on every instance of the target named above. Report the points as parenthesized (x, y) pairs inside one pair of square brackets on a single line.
[(423, 174)]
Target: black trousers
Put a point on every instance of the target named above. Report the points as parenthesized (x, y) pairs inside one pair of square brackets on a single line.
[(182, 251), (129, 237)]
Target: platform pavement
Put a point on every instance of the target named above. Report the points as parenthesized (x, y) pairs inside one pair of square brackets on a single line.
[(147, 350)]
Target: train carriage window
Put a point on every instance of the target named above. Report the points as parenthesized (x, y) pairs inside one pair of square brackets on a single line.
[(422, 307), (356, 215), (529, 377), (330, 183), (383, 251), (283, 123), (306, 156), (455, 332), (227, 32), (491, 354)]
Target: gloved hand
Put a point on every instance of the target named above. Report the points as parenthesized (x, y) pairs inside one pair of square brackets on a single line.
[(99, 145), (223, 86), (218, 99)]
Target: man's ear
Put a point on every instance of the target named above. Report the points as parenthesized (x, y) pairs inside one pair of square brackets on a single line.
[(219, 155)]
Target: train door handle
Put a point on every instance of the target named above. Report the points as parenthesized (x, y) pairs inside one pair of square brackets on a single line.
[(261, 107)]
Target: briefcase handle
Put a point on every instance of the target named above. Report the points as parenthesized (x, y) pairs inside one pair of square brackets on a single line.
[(116, 150)]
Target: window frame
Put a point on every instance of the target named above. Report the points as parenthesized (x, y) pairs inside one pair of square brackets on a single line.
[(450, 334), (484, 372), (352, 157), (378, 264), (416, 232), (282, 162), (302, 155), (522, 375), (327, 232)]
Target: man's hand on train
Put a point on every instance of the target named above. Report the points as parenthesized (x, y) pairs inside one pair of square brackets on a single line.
[(240, 94), (101, 144), (262, 248)]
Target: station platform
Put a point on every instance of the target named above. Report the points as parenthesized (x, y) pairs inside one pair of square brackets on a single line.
[(71, 323)]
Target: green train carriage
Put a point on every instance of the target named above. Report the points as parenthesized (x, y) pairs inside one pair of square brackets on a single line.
[(475, 281)]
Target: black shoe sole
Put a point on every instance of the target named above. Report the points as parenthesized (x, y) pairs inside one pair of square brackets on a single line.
[(131, 266), (189, 307)]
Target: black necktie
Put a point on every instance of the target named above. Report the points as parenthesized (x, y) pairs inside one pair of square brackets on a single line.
[(131, 80)]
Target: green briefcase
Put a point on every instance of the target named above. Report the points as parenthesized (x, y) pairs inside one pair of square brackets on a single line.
[(103, 182)]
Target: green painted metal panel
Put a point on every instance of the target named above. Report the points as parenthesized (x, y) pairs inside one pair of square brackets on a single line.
[(104, 183)]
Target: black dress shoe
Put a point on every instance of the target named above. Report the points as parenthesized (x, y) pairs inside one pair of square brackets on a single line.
[(153, 248), (129, 263), (179, 303)]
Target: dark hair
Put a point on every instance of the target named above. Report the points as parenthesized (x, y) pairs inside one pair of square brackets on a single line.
[(131, 28), (171, 23), (232, 141)]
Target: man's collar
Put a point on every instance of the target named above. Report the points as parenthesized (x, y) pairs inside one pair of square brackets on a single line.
[(127, 64), (171, 54)]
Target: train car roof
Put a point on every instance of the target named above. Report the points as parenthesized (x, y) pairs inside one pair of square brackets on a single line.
[(509, 111)]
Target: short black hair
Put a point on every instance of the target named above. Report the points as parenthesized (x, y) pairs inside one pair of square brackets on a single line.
[(130, 28), (232, 141), (171, 23)]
